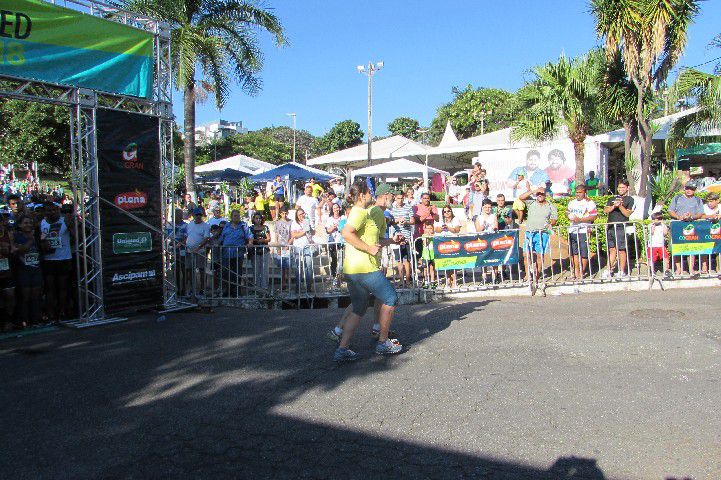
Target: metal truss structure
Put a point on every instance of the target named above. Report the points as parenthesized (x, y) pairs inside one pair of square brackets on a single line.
[(83, 104)]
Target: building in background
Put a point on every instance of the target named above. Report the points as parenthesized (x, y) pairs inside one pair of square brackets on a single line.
[(217, 130)]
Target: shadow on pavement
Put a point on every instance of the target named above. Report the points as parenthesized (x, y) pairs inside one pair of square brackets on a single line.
[(194, 397)]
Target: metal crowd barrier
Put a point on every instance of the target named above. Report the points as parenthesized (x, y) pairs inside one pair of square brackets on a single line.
[(562, 255)]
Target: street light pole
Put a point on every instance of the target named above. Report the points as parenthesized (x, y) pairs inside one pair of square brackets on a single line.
[(482, 116), (293, 115), (370, 70)]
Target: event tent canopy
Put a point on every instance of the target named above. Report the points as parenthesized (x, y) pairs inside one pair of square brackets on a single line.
[(401, 168), (242, 163), (228, 175), (389, 148), (293, 172)]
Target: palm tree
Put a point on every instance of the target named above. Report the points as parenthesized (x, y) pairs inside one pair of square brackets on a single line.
[(705, 88), (220, 38), (650, 35), (562, 94)]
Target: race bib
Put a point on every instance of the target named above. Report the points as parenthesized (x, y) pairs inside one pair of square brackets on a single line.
[(4, 264), (31, 259), (55, 242)]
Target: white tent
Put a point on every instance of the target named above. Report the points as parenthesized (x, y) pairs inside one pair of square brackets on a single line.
[(389, 148), (239, 162), (398, 169)]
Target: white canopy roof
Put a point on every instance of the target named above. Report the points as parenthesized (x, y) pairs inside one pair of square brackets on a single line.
[(449, 136), (238, 162), (401, 168), (389, 148)]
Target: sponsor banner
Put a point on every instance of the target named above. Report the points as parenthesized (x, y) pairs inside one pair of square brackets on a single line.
[(488, 250), (129, 182), (46, 42), (702, 237), (132, 242)]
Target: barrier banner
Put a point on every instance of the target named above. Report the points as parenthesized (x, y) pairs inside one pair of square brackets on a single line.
[(702, 237), (129, 182), (486, 250), (54, 44)]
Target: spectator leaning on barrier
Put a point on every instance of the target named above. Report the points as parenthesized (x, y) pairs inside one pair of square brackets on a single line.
[(503, 213), (486, 221), (335, 239), (404, 220), (424, 212), (581, 214), (711, 212), (217, 218), (542, 215), (619, 210), (686, 207), (198, 236), (233, 240), (309, 204)]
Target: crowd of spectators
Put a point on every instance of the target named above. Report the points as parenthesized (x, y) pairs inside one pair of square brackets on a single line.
[(37, 271)]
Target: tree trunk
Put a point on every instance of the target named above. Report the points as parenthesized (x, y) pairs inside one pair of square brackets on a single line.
[(580, 154), (645, 137), (628, 142), (189, 139)]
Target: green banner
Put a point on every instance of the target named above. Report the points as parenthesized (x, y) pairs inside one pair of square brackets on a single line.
[(702, 237), (54, 44), (132, 242)]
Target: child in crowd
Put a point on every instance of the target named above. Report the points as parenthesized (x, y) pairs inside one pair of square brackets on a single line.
[(657, 243), (260, 203), (712, 213), (427, 255)]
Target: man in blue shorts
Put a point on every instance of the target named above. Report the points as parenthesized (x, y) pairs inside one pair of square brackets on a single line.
[(541, 216)]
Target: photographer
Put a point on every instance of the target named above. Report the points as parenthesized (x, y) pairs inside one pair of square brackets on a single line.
[(619, 210)]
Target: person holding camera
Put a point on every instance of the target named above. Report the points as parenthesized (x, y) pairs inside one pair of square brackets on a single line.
[(619, 210)]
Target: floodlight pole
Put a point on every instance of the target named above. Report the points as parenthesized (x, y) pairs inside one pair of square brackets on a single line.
[(293, 115), (369, 70)]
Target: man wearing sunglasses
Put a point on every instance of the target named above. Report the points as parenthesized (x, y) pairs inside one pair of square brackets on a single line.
[(542, 215)]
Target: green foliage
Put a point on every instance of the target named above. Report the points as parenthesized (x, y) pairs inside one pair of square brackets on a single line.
[(405, 126), (665, 184), (343, 135), (304, 140), (464, 112), (35, 132), (705, 89), (262, 146)]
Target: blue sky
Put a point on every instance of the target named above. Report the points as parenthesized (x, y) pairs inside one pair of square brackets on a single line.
[(427, 46)]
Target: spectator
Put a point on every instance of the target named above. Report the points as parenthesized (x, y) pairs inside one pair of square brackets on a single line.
[(260, 203), (335, 239), (521, 185), (581, 214), (404, 220), (233, 240), (7, 282), (592, 183), (198, 236), (337, 187), (316, 188), (542, 215), (453, 197), (424, 212), (686, 207), (448, 224), (711, 212), (278, 195), (301, 237), (309, 204), (503, 213), (217, 218), (657, 243), (475, 204), (420, 189), (282, 237), (486, 221), (259, 251), (29, 277), (56, 238), (619, 210), (409, 199), (427, 255), (188, 206)]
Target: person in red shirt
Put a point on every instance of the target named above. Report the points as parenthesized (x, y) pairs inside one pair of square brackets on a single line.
[(424, 212)]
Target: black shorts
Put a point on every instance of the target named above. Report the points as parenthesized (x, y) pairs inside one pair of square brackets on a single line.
[(401, 254), (57, 268), (616, 236), (579, 244), (7, 283), (279, 197), (28, 277)]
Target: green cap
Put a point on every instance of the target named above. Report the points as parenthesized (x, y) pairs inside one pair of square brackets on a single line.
[(383, 189)]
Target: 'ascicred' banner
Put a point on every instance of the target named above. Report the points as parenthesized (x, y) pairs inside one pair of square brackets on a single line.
[(485, 250), (702, 237), (45, 42)]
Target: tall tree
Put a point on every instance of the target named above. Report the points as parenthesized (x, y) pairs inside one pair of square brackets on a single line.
[(705, 89), (562, 94), (405, 126), (218, 37), (651, 35), (466, 112), (344, 134)]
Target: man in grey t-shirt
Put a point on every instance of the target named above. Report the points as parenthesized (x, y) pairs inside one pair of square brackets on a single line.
[(686, 207), (541, 216)]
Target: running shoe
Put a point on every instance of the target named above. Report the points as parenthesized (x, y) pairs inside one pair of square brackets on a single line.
[(331, 336), (388, 348), (345, 355)]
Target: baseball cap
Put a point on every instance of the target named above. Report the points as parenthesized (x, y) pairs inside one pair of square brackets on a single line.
[(690, 185), (383, 189)]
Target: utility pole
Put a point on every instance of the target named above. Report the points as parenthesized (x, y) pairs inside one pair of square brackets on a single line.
[(293, 115), (370, 70), (482, 116)]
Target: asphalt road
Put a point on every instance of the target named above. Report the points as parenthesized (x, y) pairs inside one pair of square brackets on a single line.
[(607, 386)]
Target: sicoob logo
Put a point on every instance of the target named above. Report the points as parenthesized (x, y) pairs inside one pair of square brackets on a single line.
[(130, 157), (131, 200)]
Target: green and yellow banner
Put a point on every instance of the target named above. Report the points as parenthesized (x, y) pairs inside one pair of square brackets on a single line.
[(54, 44), (702, 237)]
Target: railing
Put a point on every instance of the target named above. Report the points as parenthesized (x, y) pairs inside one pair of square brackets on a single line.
[(594, 254)]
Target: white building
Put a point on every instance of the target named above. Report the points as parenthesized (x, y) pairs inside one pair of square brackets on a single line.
[(216, 130)]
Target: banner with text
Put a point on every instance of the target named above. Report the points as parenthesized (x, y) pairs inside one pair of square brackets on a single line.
[(702, 237), (130, 213), (54, 44), (488, 250)]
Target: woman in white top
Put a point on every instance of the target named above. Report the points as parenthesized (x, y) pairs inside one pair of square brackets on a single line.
[(301, 236), (448, 224), (333, 228), (486, 222)]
